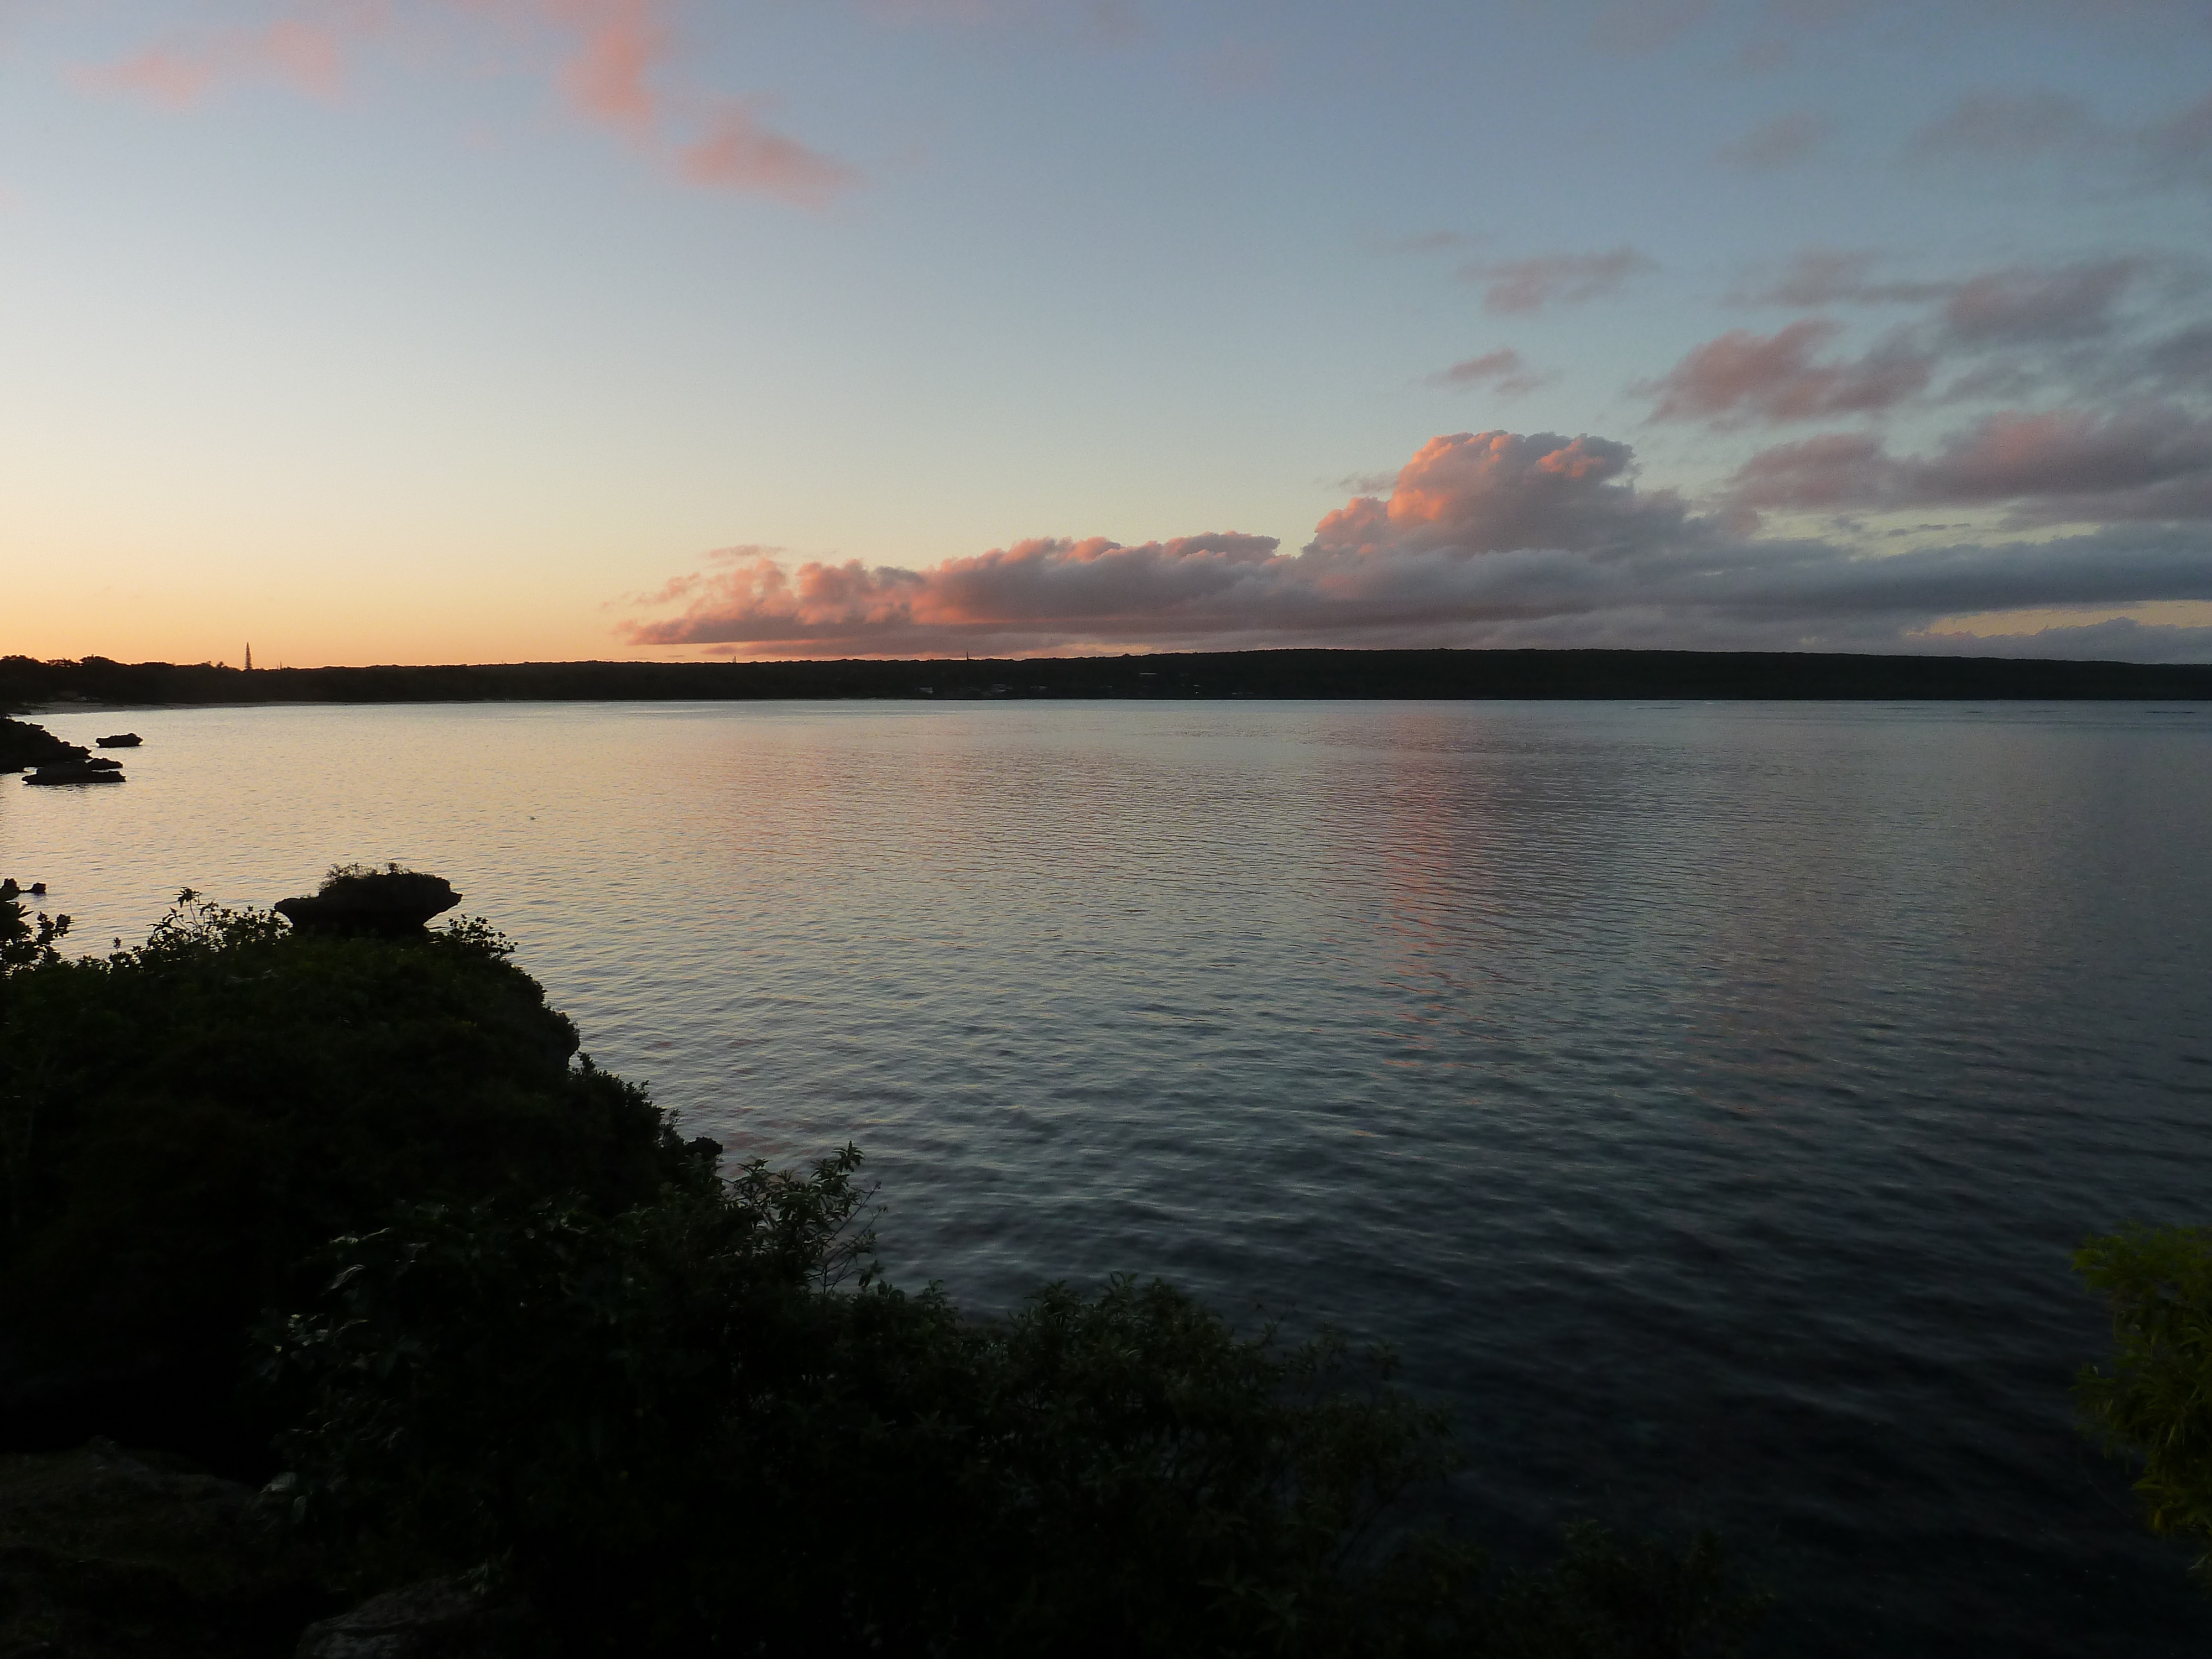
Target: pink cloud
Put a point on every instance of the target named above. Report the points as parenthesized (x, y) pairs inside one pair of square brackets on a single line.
[(611, 62), (737, 153), (619, 43), (1489, 492), (1047, 586), (1742, 376), (308, 56)]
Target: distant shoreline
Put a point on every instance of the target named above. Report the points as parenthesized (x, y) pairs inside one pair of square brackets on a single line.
[(96, 685)]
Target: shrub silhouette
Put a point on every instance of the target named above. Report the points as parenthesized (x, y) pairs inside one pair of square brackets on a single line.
[(704, 1425), (183, 1125)]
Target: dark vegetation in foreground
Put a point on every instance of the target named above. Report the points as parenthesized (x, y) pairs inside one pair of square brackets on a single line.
[(2154, 1405), (332, 1214), (25, 682)]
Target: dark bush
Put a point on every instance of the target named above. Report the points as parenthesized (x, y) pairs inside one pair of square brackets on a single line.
[(182, 1125)]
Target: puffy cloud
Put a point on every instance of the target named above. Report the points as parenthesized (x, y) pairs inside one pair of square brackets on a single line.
[(1525, 285), (2055, 467), (1497, 492), (1504, 370), (1742, 375), (1047, 588), (611, 62), (1783, 142), (1491, 538)]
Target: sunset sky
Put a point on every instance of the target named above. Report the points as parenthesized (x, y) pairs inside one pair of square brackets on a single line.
[(431, 330)]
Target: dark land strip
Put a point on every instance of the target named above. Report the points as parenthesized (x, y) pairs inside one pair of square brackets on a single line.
[(26, 683)]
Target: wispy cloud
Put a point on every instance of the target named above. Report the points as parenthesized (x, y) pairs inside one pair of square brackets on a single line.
[(736, 152), (1742, 376), (615, 66), (2051, 467), (2011, 128), (2123, 326), (1783, 142), (1546, 279), (1503, 371), (308, 55)]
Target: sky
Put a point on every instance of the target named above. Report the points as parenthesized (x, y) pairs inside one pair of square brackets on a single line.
[(439, 330)]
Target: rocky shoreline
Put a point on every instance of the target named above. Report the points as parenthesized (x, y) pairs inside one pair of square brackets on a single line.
[(23, 745)]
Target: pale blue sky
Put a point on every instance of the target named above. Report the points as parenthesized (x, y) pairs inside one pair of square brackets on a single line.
[(386, 331)]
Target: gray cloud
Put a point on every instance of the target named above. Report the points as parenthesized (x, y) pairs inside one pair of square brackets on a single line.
[(2010, 128), (2052, 468), (2009, 125), (1530, 285), (2087, 330), (1503, 370), (2032, 303), (1783, 142)]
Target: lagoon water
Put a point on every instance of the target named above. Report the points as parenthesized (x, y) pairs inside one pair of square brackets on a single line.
[(1704, 1099)]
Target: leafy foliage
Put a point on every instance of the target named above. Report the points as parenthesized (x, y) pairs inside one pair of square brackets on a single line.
[(2156, 1403), (183, 1125), (23, 944)]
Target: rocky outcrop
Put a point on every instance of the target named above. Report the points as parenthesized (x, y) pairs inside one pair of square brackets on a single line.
[(354, 899), (97, 770), (438, 1618), (23, 744), (120, 740), (110, 1554)]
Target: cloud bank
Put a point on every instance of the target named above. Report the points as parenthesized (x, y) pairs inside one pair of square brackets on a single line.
[(1483, 538)]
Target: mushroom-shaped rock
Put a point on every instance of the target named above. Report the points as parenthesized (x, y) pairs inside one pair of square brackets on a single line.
[(390, 902)]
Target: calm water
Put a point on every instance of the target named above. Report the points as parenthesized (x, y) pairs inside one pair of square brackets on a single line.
[(1703, 1098)]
